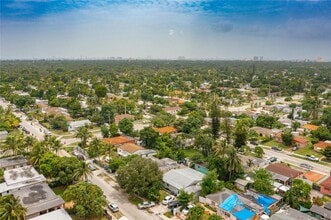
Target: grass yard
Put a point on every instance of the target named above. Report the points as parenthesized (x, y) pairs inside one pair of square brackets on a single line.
[(59, 190), (135, 200), (189, 152), (308, 150), (275, 143)]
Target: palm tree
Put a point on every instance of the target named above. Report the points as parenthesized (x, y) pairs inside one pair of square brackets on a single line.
[(84, 134), (51, 143), (14, 143), (95, 148), (37, 153), (11, 208), (83, 172), (29, 142), (232, 162), (250, 163), (221, 148)]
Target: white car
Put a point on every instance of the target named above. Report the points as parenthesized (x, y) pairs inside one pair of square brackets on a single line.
[(187, 209), (168, 199)]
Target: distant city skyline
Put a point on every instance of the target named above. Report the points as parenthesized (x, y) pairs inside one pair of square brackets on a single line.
[(166, 29)]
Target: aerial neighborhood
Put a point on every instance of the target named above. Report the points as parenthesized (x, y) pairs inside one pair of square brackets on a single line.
[(153, 139)]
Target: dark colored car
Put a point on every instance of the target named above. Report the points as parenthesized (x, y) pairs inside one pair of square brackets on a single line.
[(272, 159), (173, 204), (276, 148), (306, 166)]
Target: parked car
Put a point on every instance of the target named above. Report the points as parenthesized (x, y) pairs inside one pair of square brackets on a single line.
[(295, 148), (173, 204), (306, 166), (168, 199), (276, 148), (92, 167), (312, 158), (146, 205), (254, 143), (113, 207), (187, 209), (272, 159)]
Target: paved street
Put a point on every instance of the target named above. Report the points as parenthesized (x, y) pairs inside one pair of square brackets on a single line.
[(287, 158)]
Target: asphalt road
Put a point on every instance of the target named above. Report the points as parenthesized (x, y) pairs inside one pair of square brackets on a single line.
[(287, 158)]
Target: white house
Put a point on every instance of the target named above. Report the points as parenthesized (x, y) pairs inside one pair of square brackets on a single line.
[(73, 126), (186, 179)]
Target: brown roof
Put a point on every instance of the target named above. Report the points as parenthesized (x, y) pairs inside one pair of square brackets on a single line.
[(326, 183), (284, 170), (313, 176), (311, 127), (300, 139), (322, 144), (131, 148), (173, 108), (166, 130), (118, 118), (118, 140)]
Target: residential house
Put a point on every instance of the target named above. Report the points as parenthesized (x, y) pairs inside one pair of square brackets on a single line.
[(166, 130), (38, 199), (133, 149), (3, 135), (165, 164), (310, 127), (321, 145), (325, 186), (119, 140), (186, 179), (74, 125), (241, 184), (172, 110), (119, 118), (257, 162), (299, 141), (263, 132), (320, 212), (18, 178), (59, 214), (290, 214), (312, 176), (230, 205), (13, 162), (283, 173)]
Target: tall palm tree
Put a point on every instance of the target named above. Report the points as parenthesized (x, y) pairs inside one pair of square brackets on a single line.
[(250, 163), (37, 152), (221, 148), (52, 144), (29, 142), (96, 147), (232, 162), (83, 172), (84, 134), (11, 208), (14, 143)]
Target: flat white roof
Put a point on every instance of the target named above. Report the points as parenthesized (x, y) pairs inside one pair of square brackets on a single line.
[(20, 175), (59, 214)]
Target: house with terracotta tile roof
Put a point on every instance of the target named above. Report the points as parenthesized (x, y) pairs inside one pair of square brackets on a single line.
[(325, 186), (131, 149), (299, 141), (321, 145), (283, 173), (118, 141), (166, 130), (119, 118), (172, 110), (310, 127)]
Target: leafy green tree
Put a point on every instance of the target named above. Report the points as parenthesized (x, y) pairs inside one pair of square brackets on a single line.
[(265, 121), (11, 208), (204, 143), (59, 122), (96, 148), (215, 114), (115, 163), (126, 126), (104, 131), (88, 199), (258, 151), (215, 217), (287, 137), (140, 177), (322, 133), (113, 130), (108, 113), (326, 118), (14, 144), (240, 134), (84, 134), (196, 213), (191, 124), (327, 153), (184, 198), (263, 182), (298, 194), (101, 91), (295, 125), (149, 137), (210, 183)]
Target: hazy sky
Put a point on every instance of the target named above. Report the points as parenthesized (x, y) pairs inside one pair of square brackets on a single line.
[(198, 29)]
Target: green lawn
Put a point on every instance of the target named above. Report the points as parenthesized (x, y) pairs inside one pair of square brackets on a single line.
[(59, 190), (308, 150), (135, 200), (275, 143), (189, 152)]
